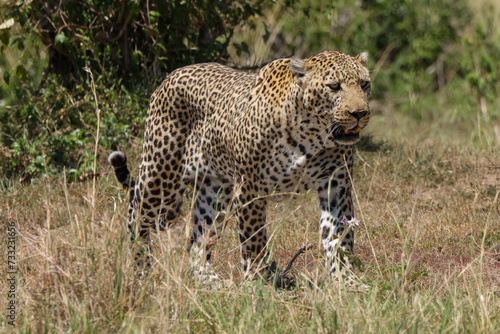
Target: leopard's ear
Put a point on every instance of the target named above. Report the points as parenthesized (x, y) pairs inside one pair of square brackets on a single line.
[(363, 58), (299, 69)]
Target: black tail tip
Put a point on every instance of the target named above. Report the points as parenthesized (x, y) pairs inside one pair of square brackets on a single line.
[(117, 159)]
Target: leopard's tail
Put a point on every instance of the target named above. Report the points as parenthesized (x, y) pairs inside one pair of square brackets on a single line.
[(118, 160)]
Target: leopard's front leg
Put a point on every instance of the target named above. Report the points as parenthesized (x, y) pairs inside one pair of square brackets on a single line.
[(212, 201), (333, 183)]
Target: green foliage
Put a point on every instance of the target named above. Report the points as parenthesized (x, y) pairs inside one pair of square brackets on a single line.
[(55, 129), (46, 111), (22, 58), (479, 63), (133, 40), (406, 37)]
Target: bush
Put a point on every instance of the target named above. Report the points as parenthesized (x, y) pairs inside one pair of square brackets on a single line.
[(405, 37), (47, 112), (134, 40)]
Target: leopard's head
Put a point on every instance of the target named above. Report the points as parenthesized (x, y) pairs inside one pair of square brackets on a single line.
[(335, 89)]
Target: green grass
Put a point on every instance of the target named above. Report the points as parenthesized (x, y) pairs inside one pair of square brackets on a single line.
[(429, 243)]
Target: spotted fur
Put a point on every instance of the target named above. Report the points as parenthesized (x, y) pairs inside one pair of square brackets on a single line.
[(238, 137)]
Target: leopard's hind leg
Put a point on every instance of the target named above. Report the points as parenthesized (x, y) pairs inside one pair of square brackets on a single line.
[(157, 195), (212, 200)]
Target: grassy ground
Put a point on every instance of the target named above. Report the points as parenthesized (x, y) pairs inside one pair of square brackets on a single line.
[(427, 196)]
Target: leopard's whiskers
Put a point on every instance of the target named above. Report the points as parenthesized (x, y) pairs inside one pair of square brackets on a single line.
[(335, 129), (325, 129)]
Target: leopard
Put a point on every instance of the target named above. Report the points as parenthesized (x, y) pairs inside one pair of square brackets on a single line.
[(240, 140)]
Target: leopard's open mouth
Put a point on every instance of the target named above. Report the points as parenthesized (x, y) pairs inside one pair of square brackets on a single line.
[(343, 135), (354, 130), (347, 136)]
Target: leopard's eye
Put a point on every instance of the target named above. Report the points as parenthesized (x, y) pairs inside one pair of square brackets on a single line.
[(334, 86), (365, 85)]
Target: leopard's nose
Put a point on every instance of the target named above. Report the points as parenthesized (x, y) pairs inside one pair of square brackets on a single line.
[(358, 114)]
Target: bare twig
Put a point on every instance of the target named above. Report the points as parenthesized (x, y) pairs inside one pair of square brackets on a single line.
[(492, 164)]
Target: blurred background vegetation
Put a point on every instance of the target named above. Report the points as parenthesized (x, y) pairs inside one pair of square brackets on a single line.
[(431, 60)]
